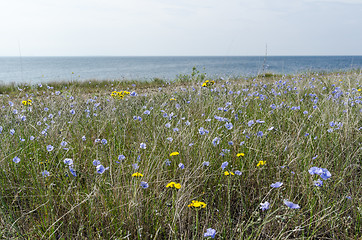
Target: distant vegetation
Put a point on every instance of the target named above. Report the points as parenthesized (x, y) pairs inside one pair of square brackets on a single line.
[(270, 157)]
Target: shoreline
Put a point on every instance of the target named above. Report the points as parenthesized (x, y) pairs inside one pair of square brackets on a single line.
[(182, 79)]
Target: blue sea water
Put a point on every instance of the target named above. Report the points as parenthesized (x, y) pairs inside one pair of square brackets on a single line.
[(45, 69)]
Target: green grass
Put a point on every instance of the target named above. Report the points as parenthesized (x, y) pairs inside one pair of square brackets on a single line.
[(113, 205)]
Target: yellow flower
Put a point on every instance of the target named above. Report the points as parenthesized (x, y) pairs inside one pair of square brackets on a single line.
[(359, 90), (240, 154), (174, 154), (173, 185), (197, 204), (172, 99), (260, 163), (30, 102), (204, 85), (137, 174), (24, 103), (228, 173)]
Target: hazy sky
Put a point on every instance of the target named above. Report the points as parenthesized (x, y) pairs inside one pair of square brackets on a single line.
[(180, 27)]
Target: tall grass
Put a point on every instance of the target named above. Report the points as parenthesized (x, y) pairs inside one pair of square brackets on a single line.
[(292, 123)]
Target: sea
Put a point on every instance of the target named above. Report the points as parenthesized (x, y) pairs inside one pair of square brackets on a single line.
[(33, 70)]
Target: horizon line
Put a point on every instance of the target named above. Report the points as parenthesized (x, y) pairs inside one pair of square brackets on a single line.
[(317, 55)]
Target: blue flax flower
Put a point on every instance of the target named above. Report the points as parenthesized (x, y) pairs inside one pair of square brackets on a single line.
[(318, 183), (181, 165), (45, 173), (210, 233), (224, 165), (291, 205), (101, 169), (264, 206), (50, 148), (16, 159), (276, 185), (72, 171), (216, 141), (144, 185)]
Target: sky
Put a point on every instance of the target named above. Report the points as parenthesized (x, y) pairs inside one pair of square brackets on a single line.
[(180, 27)]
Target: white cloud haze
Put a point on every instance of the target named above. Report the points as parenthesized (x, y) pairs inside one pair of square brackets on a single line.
[(183, 27)]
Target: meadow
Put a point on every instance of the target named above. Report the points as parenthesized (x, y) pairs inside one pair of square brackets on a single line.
[(266, 157)]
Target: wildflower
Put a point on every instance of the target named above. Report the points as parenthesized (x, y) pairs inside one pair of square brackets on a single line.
[(181, 166), (260, 134), (83, 138), (206, 164), (121, 157), (172, 99), (135, 166), (168, 125), (203, 131), (226, 173), (174, 154), (24, 103), (45, 173), (170, 139), (50, 148), (187, 123), (231, 143), (291, 205), (224, 165), (264, 206), (68, 161), (197, 204), (137, 174), (144, 185), (325, 174), (276, 185), (72, 171), (12, 131), (16, 159), (318, 183), (250, 123), (315, 170), (229, 126), (63, 143), (240, 155), (173, 185), (175, 129), (216, 141), (260, 163), (143, 145), (96, 162), (32, 138), (101, 169), (210, 233), (104, 141), (168, 162), (237, 172), (147, 112)]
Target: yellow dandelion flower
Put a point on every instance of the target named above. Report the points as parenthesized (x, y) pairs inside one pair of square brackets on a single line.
[(260, 163), (204, 85), (173, 185), (137, 174), (174, 154), (229, 173), (172, 99), (359, 90), (30, 102), (197, 204), (240, 154), (24, 103)]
